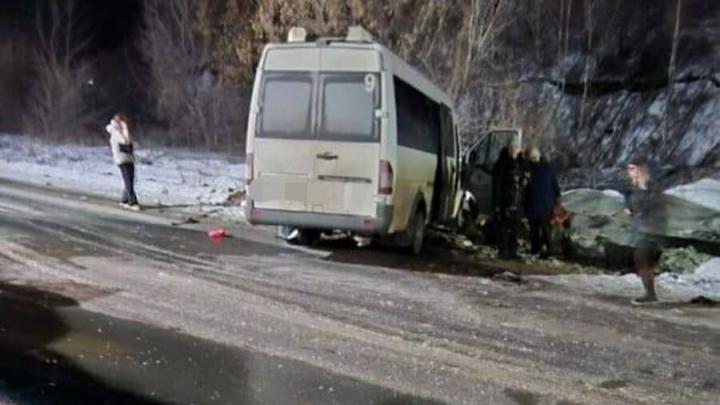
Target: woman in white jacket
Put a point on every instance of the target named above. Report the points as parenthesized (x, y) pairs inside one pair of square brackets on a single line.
[(121, 144)]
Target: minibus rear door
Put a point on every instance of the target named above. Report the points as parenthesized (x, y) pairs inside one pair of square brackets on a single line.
[(285, 145), (348, 144)]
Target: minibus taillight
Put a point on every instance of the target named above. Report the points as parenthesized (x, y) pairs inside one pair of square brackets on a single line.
[(385, 185), (249, 169)]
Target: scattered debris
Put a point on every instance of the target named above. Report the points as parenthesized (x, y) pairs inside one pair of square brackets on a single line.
[(704, 301), (362, 241), (217, 233), (195, 219), (186, 221), (235, 198), (508, 276)]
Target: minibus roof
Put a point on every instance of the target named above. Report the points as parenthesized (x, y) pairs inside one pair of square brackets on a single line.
[(389, 62)]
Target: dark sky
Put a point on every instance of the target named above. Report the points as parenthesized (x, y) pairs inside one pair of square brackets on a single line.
[(113, 23)]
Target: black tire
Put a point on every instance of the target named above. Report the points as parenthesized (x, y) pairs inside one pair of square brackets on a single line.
[(308, 237), (304, 237), (284, 232), (417, 234)]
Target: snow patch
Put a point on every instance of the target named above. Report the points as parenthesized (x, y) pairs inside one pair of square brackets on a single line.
[(613, 194), (657, 108), (165, 176), (705, 192), (705, 280)]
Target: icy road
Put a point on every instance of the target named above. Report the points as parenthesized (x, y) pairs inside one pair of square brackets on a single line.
[(100, 305)]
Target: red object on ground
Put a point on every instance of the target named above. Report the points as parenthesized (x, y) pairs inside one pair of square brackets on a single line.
[(217, 233)]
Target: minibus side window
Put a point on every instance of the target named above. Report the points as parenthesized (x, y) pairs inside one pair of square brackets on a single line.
[(286, 106), (418, 119)]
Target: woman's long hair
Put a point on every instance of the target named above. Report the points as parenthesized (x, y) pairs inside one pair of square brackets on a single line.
[(122, 117), (124, 122)]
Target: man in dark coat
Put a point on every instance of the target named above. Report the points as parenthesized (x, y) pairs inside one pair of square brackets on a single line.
[(508, 178), (543, 194)]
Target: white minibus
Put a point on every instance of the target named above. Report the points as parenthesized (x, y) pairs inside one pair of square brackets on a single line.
[(344, 135)]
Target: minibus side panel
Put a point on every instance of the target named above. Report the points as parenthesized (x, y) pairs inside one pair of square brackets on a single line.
[(415, 173), (418, 146)]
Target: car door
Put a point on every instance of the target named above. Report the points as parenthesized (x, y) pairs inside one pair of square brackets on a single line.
[(448, 170)]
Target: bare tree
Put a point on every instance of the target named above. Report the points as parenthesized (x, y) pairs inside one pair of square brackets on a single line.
[(189, 98), (671, 71), (58, 108)]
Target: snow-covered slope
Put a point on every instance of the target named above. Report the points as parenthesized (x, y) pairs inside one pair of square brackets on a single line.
[(164, 176)]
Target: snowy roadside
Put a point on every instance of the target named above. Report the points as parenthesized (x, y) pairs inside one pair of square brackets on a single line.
[(199, 182), (166, 177), (703, 281)]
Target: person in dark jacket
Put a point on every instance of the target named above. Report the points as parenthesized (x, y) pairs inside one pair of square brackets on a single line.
[(648, 213), (508, 180), (543, 194)]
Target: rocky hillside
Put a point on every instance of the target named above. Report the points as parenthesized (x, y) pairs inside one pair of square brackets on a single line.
[(595, 82), (646, 87)]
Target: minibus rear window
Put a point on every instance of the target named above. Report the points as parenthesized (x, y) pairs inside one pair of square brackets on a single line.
[(286, 106), (349, 101)]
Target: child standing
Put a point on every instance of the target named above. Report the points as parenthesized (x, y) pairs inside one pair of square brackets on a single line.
[(122, 149)]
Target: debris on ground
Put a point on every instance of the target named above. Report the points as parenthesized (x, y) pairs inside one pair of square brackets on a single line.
[(704, 301), (508, 277), (195, 219), (235, 197), (186, 221), (217, 233)]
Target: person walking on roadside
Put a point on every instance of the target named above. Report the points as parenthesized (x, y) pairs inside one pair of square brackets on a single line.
[(648, 217), (121, 144), (543, 194), (508, 179)]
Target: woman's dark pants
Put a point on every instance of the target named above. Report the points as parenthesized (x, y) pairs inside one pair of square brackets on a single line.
[(128, 175)]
